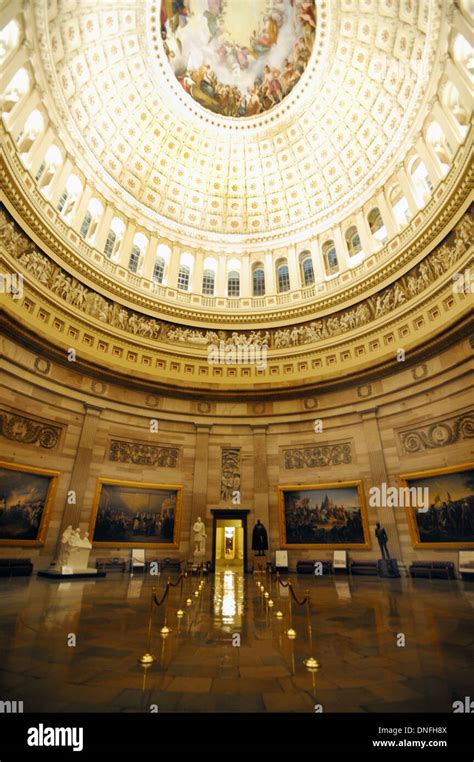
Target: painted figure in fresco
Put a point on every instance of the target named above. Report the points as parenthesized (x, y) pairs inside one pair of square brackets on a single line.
[(237, 78), (382, 538)]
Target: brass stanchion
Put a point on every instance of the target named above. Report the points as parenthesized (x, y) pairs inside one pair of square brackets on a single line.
[(290, 633), (311, 662), (148, 657)]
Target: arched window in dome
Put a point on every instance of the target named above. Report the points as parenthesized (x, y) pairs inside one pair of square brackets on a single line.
[(330, 257), (9, 40), (69, 196), (48, 168), (283, 278), (437, 140), (91, 219), (140, 242), (159, 269), (209, 276), (307, 269), (33, 126), (86, 223), (463, 54), (15, 91), (233, 283), (376, 224), (184, 275), (353, 243), (258, 280), (400, 207), (422, 185), (186, 265), (134, 258), (452, 102), (208, 282), (110, 243), (114, 238)]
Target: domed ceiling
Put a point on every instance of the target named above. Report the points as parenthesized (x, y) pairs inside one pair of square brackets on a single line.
[(238, 57), (348, 81)]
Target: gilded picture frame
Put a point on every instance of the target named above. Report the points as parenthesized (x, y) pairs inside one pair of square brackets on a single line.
[(336, 510), (129, 514), (33, 490), (451, 508)]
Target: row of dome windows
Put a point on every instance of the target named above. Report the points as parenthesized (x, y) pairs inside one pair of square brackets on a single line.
[(421, 187)]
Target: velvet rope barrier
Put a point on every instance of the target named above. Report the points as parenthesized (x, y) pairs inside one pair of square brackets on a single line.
[(293, 595), (159, 603), (283, 584), (175, 584)]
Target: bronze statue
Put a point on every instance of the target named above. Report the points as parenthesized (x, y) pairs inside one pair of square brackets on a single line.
[(259, 539), (382, 538)]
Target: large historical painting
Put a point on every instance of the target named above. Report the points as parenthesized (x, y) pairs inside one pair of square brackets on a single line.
[(327, 516), (238, 57), (26, 499), (136, 515), (446, 518)]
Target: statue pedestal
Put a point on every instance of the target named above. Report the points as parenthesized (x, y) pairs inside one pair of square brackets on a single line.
[(73, 558), (387, 567), (259, 563)]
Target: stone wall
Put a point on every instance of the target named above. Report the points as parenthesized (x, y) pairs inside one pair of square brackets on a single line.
[(417, 418)]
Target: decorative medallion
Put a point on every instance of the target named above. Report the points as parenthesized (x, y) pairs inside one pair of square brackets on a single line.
[(238, 57)]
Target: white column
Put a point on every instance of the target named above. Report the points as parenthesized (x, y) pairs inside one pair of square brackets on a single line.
[(20, 59), (173, 268), (456, 75), (318, 264), (449, 132), (221, 283), (198, 269), (270, 281), (41, 149), (462, 24), (20, 113), (407, 189), (150, 258), (342, 252), (59, 181), (431, 165), (81, 207), (126, 245), (293, 268), (456, 127), (7, 13), (365, 235), (387, 215), (104, 228), (245, 289)]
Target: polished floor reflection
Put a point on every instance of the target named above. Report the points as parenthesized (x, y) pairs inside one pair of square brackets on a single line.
[(230, 652)]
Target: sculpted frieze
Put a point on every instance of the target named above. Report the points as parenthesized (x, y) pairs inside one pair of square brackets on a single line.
[(18, 428), (321, 455), (72, 292), (438, 434)]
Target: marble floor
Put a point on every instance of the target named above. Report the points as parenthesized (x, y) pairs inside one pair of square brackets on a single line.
[(229, 652)]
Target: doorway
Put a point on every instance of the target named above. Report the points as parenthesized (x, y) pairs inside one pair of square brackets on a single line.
[(229, 544), (229, 540)]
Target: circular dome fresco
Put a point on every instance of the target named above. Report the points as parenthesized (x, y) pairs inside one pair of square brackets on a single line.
[(157, 138), (237, 58)]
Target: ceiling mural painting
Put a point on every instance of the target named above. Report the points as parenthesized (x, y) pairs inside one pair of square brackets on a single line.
[(238, 58)]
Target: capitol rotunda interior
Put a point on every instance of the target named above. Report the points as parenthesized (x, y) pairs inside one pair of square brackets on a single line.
[(236, 412)]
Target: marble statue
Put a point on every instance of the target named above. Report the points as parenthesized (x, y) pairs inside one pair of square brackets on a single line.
[(199, 537), (75, 550)]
